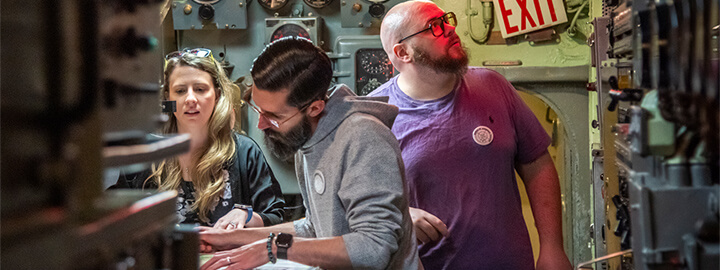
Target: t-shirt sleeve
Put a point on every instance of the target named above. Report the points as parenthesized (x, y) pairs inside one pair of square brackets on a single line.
[(532, 140)]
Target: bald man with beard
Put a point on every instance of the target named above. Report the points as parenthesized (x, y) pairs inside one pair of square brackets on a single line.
[(463, 132)]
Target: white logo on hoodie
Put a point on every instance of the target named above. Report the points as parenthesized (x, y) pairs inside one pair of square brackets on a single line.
[(319, 182)]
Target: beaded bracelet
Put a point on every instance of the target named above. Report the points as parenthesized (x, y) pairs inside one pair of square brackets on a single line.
[(269, 247)]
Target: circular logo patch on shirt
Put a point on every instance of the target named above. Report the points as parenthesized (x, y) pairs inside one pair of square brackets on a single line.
[(482, 135), (319, 182)]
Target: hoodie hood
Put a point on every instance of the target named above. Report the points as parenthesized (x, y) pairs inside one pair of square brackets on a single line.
[(342, 103)]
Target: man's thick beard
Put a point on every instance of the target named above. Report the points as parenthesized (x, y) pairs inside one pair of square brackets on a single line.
[(457, 66), (284, 146)]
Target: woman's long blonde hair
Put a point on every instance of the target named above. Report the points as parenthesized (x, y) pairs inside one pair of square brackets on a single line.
[(219, 150)]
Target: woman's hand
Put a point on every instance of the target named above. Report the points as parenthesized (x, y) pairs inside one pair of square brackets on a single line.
[(245, 257), (234, 219)]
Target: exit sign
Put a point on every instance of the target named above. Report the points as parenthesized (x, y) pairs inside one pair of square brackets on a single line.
[(522, 16)]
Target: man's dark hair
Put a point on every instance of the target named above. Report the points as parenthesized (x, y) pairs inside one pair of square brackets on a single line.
[(296, 64)]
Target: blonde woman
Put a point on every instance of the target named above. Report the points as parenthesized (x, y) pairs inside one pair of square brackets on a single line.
[(223, 181)]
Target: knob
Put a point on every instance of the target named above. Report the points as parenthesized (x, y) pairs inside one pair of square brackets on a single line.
[(206, 12), (376, 10)]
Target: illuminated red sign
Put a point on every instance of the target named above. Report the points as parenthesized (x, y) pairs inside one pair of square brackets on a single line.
[(522, 16)]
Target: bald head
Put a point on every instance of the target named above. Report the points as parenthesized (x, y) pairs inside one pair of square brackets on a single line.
[(403, 19)]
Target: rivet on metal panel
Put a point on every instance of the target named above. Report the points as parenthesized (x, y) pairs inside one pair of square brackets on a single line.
[(360, 24)]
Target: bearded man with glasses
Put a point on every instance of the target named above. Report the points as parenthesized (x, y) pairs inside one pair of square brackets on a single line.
[(348, 164), (463, 133)]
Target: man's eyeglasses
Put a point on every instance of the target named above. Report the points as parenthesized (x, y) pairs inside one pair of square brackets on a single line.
[(201, 52), (437, 25), (274, 121)]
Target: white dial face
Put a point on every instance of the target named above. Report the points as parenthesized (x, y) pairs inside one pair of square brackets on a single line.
[(273, 4), (317, 3), (375, 62), (206, 2)]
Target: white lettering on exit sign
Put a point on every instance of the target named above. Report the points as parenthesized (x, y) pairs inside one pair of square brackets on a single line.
[(522, 16)]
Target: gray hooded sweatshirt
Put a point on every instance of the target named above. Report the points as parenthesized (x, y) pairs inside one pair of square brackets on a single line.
[(352, 181)]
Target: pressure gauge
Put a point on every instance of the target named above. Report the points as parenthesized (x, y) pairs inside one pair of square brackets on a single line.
[(289, 30), (273, 4), (206, 2), (370, 86), (372, 69), (375, 62), (317, 3)]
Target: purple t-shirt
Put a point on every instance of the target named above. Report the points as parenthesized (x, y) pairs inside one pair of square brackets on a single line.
[(460, 153)]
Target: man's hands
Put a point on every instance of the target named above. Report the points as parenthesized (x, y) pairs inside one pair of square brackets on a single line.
[(234, 219), (212, 239), (245, 257), (428, 228)]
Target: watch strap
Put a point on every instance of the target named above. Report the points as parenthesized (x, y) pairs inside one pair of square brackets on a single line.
[(282, 253), (247, 208), (283, 241)]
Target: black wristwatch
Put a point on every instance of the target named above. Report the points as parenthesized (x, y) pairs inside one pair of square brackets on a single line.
[(283, 241)]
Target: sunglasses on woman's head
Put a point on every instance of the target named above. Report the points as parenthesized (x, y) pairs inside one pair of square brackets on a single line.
[(201, 52)]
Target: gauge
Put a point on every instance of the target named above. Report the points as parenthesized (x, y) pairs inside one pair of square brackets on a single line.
[(289, 30), (272, 4), (372, 69), (206, 2), (377, 1), (317, 3), (375, 62), (370, 86)]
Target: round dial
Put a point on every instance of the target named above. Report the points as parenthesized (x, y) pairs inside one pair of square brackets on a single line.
[(317, 3), (206, 2), (272, 4), (370, 86), (377, 1), (375, 62), (289, 30)]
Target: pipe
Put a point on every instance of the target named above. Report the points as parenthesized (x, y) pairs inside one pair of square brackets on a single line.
[(583, 265), (571, 29), (487, 21)]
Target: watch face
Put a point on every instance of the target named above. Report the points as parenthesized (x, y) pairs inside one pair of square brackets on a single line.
[(284, 240)]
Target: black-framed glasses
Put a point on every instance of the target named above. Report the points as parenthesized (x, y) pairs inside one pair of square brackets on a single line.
[(201, 52), (437, 25), (247, 98)]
